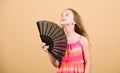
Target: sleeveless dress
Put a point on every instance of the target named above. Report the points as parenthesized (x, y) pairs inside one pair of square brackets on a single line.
[(73, 61)]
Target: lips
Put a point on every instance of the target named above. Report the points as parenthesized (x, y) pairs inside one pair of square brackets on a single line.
[(62, 19)]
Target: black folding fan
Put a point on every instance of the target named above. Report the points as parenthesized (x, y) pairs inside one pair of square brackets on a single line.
[(54, 36)]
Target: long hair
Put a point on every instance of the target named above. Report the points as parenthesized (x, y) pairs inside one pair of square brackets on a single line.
[(79, 27)]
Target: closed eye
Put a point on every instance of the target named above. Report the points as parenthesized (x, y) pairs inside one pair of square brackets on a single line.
[(67, 14)]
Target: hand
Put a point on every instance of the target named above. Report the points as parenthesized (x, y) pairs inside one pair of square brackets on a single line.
[(45, 47)]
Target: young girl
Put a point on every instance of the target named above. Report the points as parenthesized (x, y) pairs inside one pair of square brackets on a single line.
[(77, 56)]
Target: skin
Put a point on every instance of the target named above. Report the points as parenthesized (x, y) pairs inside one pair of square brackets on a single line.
[(68, 23)]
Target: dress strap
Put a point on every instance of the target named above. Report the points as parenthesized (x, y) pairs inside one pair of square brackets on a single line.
[(80, 39)]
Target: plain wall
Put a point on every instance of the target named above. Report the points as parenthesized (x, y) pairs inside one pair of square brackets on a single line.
[(20, 45)]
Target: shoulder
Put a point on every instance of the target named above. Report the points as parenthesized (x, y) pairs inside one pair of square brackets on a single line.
[(84, 41)]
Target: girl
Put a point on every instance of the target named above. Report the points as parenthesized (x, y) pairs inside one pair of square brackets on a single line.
[(77, 56)]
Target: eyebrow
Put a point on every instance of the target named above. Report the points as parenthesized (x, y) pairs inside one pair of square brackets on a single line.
[(69, 12)]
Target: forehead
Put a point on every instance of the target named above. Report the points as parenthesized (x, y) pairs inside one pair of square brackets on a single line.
[(67, 11)]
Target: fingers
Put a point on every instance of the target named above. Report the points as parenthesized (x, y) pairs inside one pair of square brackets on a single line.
[(44, 47), (43, 44)]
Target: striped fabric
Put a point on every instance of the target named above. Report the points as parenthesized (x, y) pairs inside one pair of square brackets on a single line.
[(73, 61)]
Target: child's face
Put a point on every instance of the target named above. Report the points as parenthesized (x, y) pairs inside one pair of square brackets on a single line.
[(67, 17)]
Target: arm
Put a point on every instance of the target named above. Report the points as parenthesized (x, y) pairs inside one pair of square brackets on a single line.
[(86, 51), (54, 62)]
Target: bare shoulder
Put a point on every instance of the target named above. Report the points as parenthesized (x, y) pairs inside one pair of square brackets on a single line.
[(84, 41)]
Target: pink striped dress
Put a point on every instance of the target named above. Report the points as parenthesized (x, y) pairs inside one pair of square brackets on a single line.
[(73, 61)]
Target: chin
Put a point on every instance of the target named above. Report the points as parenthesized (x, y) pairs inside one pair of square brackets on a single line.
[(62, 24)]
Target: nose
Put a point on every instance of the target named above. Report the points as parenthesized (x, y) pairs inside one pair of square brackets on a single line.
[(62, 16)]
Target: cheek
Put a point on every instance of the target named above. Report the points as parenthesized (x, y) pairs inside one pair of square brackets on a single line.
[(70, 20)]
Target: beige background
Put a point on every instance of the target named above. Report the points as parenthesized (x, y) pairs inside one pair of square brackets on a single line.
[(20, 49)]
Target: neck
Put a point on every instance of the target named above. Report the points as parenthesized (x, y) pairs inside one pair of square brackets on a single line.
[(69, 30)]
